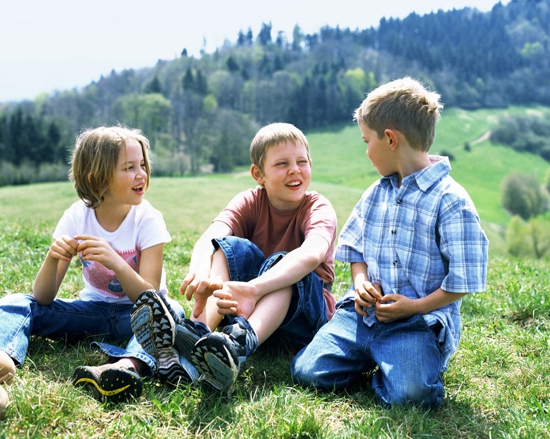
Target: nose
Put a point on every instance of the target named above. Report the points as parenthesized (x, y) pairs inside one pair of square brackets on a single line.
[(142, 173), (294, 168)]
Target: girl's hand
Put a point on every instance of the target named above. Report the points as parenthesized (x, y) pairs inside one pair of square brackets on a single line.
[(366, 294), (97, 249), (63, 249), (202, 288)]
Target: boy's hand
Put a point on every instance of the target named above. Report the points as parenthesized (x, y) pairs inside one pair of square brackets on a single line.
[(237, 298), (366, 294), (97, 249), (399, 307), (202, 288), (64, 248)]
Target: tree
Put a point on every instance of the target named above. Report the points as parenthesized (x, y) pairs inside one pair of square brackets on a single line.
[(153, 86), (521, 194)]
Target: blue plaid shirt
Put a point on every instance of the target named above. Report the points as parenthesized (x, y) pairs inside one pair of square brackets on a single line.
[(416, 238)]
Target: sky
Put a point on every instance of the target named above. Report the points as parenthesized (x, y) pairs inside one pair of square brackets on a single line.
[(49, 45)]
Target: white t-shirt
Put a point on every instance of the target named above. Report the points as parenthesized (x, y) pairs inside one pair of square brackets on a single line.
[(142, 228)]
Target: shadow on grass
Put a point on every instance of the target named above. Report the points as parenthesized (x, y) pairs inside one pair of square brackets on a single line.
[(265, 392)]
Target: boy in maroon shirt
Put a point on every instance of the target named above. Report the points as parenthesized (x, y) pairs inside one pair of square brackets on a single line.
[(264, 266)]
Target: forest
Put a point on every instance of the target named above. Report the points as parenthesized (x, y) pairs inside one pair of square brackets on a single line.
[(200, 113)]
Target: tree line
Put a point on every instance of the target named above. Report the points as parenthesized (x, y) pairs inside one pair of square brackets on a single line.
[(202, 112)]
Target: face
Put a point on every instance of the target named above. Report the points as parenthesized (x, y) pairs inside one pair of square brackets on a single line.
[(286, 174), (130, 176), (378, 151)]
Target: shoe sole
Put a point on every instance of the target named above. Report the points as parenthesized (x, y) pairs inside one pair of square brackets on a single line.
[(114, 385), (215, 364), (152, 323), (177, 370)]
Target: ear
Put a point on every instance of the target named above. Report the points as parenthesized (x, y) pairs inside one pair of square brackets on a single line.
[(257, 174), (391, 138)]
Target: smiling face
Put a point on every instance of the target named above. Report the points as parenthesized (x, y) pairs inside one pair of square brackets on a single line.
[(129, 179), (286, 174)]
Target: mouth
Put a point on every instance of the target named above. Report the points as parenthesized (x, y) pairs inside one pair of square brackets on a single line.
[(138, 188), (294, 184)]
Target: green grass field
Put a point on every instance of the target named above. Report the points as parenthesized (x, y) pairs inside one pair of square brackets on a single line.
[(498, 383)]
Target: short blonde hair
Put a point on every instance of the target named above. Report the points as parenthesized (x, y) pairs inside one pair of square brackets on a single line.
[(95, 158), (271, 135), (404, 105)]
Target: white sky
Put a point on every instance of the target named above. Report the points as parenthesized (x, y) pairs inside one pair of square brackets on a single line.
[(48, 45)]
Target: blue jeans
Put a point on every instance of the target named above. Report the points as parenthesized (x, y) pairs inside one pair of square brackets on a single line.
[(308, 309), (69, 319), (407, 353)]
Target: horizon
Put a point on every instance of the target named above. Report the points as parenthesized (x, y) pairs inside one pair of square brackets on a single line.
[(55, 46)]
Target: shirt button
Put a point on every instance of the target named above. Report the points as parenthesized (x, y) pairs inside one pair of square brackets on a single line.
[(393, 232), (395, 263), (399, 201)]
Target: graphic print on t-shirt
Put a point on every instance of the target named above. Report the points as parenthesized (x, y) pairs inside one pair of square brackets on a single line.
[(103, 279)]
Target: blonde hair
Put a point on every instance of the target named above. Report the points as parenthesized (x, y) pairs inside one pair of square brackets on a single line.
[(403, 105), (95, 158), (271, 135)]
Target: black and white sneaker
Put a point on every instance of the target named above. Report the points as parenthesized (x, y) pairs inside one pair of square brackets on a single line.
[(166, 336), (109, 382), (219, 356)]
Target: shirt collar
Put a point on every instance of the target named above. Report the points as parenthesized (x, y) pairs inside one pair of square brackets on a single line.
[(424, 178)]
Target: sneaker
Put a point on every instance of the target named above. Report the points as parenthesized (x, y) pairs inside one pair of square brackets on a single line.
[(166, 336), (219, 356), (174, 369), (109, 382)]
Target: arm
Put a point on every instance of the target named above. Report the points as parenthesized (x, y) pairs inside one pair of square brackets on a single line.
[(53, 270), (289, 270), (199, 280), (133, 283), (404, 307)]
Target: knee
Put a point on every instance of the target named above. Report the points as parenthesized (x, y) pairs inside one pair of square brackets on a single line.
[(302, 372), (308, 372), (427, 396), (16, 299)]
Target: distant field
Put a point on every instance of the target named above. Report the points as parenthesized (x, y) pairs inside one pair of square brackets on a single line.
[(341, 171), (497, 383)]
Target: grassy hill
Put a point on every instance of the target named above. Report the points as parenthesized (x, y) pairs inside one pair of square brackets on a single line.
[(341, 171), (497, 384)]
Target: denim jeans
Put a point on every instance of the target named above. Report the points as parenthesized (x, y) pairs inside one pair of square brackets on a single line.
[(308, 309), (69, 319), (407, 353)]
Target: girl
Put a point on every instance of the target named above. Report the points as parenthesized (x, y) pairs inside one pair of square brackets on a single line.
[(119, 238)]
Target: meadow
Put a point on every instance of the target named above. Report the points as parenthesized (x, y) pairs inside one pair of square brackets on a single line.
[(497, 384)]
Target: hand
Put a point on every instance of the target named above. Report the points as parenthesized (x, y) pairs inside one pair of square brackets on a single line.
[(236, 298), (366, 294), (97, 249), (395, 307), (64, 248), (202, 288)]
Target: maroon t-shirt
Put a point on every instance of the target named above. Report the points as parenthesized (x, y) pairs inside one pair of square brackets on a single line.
[(251, 216)]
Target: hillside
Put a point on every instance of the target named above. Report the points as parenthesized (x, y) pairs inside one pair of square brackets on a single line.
[(201, 112), (341, 171)]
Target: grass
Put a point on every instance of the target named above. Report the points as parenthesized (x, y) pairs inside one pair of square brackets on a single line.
[(498, 383)]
